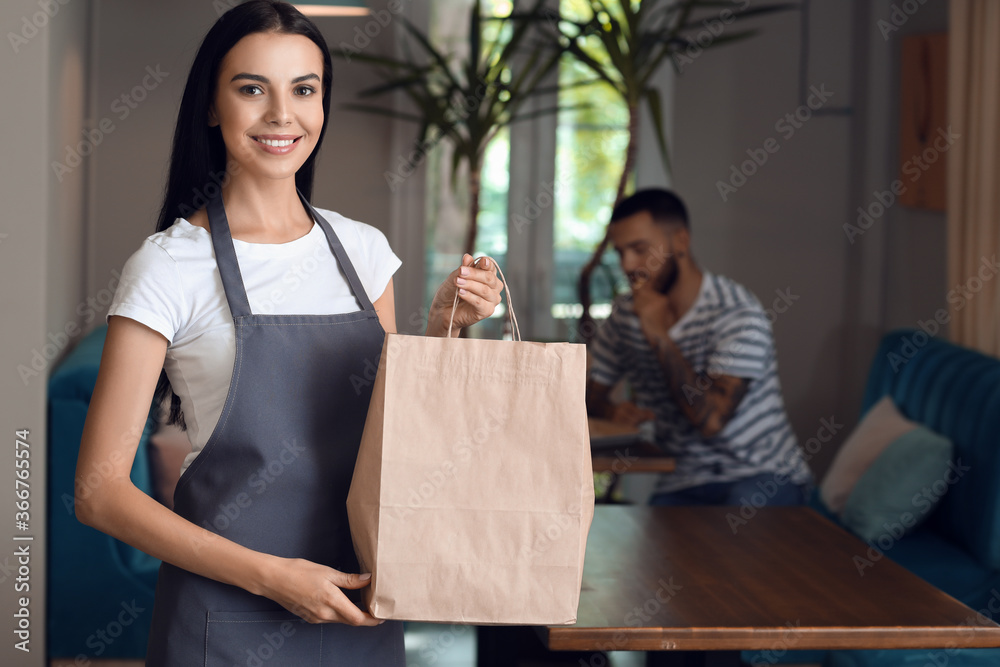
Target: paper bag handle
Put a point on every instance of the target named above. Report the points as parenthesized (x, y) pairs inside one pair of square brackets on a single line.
[(510, 306)]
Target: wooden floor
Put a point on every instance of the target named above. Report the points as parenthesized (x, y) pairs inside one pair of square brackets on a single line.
[(427, 646), (621, 658)]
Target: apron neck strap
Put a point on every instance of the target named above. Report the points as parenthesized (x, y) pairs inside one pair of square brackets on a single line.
[(225, 257), (229, 268), (342, 259)]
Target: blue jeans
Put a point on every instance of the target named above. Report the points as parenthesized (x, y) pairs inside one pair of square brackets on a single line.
[(756, 491)]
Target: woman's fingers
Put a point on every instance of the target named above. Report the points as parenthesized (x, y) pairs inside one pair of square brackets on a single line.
[(345, 580), (313, 591), (478, 288), (482, 307), (479, 282), (338, 609), (480, 296), (345, 611)]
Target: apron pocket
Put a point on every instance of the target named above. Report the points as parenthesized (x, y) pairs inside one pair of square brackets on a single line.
[(258, 638)]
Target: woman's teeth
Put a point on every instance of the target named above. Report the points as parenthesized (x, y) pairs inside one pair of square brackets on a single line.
[(278, 143)]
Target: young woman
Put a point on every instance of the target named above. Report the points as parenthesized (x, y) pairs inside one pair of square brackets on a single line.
[(257, 315)]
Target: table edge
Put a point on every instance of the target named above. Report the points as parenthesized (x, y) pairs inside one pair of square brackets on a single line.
[(570, 638)]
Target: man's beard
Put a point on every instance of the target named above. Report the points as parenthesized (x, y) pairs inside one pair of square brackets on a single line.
[(665, 280)]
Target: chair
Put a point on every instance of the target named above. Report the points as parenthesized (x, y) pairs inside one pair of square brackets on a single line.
[(100, 591)]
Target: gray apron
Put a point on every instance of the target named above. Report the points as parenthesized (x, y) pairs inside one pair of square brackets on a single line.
[(274, 477)]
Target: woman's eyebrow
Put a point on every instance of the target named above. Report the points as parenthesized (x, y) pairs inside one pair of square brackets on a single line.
[(264, 79)]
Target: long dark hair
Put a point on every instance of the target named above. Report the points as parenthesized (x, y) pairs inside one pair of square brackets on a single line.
[(198, 157)]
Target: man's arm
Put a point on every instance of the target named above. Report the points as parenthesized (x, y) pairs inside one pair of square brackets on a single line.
[(708, 402), (625, 412)]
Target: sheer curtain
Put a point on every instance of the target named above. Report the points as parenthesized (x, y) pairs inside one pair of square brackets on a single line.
[(974, 174)]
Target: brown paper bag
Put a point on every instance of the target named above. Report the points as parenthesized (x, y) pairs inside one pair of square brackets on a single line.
[(473, 491)]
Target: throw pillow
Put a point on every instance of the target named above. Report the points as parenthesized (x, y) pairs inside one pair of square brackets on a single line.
[(880, 426), (900, 488)]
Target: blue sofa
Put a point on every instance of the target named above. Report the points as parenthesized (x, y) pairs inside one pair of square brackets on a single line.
[(954, 391), (100, 591)]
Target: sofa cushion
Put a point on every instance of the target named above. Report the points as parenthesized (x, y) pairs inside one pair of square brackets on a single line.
[(946, 565), (881, 426), (900, 488), (954, 391)]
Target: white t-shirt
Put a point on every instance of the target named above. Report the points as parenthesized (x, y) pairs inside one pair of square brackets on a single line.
[(172, 285)]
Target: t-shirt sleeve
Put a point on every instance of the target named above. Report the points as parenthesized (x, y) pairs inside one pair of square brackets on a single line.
[(149, 291), (744, 345), (605, 353), (382, 262)]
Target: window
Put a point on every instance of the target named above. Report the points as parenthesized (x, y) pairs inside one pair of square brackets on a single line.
[(447, 206), (590, 149), (588, 156)]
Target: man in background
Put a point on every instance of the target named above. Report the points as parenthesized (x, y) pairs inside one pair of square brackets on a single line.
[(697, 352)]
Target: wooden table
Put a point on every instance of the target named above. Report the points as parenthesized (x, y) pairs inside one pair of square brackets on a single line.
[(637, 457), (618, 449), (679, 578)]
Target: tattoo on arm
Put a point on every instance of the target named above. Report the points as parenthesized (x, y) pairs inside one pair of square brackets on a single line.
[(708, 402)]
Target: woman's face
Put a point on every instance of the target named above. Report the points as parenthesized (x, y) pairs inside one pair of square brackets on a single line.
[(269, 91)]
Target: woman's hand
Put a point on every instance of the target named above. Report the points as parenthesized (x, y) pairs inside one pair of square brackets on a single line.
[(312, 591), (478, 295)]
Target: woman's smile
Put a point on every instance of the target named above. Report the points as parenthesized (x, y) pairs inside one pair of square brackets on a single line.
[(277, 144)]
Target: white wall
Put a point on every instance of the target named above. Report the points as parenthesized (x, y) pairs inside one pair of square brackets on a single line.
[(41, 233), (916, 280), (896, 270), (782, 229)]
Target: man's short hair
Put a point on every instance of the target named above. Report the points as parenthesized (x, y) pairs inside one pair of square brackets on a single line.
[(662, 204)]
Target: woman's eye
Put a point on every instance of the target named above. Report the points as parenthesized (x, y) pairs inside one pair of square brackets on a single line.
[(247, 89), (309, 90)]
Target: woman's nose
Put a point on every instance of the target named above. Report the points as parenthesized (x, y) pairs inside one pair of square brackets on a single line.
[(278, 112)]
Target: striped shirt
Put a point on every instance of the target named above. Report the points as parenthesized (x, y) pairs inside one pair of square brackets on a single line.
[(725, 332)]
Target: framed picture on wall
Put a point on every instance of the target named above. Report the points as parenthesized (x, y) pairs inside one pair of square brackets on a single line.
[(923, 111)]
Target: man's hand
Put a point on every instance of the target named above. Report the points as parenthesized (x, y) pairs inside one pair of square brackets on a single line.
[(629, 413), (656, 315)]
